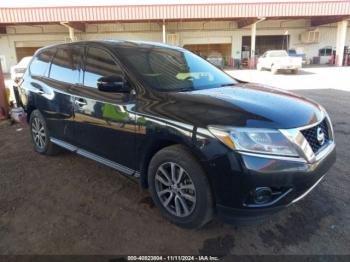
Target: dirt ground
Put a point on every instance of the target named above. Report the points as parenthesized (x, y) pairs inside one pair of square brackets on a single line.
[(71, 205)]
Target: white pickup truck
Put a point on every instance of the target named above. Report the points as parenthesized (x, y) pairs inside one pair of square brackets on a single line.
[(277, 60)]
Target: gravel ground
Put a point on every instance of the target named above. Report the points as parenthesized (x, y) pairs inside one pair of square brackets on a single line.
[(71, 205)]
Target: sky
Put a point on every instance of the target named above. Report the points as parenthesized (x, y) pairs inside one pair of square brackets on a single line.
[(48, 3)]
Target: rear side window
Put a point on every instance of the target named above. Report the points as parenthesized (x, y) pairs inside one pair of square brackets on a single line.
[(99, 64), (65, 65), (40, 63)]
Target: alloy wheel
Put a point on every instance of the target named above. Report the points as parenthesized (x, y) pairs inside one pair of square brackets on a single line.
[(38, 132), (175, 189)]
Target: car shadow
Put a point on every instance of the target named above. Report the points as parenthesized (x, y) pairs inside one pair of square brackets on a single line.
[(300, 72)]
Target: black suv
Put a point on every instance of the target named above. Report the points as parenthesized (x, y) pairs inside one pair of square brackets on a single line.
[(199, 140)]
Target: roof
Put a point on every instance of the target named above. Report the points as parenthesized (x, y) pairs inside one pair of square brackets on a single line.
[(240, 9), (112, 43)]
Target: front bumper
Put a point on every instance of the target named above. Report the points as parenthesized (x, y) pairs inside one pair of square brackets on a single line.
[(288, 67), (294, 179)]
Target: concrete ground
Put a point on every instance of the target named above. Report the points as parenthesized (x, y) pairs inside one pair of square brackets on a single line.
[(71, 205), (307, 78)]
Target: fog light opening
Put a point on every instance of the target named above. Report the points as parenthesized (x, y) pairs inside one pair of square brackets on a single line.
[(262, 195)]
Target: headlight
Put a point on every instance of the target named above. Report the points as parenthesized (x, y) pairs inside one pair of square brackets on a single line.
[(255, 140)]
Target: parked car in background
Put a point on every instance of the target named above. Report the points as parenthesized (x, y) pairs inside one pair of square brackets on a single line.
[(202, 142), (294, 53), (216, 59), (18, 70), (279, 60), (326, 55)]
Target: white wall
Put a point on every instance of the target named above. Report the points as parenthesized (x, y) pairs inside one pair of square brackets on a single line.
[(187, 32)]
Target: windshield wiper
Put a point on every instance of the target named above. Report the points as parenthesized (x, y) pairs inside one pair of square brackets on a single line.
[(185, 89)]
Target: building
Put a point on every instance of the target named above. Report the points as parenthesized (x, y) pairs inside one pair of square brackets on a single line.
[(234, 30)]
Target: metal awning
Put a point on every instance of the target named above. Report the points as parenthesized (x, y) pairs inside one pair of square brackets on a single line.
[(174, 11)]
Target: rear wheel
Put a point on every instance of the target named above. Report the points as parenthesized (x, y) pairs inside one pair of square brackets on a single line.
[(295, 71), (179, 187), (40, 134)]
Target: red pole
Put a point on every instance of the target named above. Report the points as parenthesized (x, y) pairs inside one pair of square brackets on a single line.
[(251, 63), (3, 97), (336, 60)]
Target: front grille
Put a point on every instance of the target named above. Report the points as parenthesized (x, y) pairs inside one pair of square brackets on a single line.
[(310, 135)]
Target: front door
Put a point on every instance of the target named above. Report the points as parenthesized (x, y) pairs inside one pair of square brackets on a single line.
[(104, 121)]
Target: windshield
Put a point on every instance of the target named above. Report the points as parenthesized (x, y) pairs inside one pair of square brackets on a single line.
[(168, 69), (281, 53)]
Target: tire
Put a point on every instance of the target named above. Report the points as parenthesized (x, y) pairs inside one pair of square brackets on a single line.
[(295, 71), (40, 135), (194, 184), (274, 70)]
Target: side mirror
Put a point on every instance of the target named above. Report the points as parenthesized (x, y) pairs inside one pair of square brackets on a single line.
[(112, 84)]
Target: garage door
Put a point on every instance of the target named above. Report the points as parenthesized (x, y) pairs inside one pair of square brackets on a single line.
[(25, 51), (212, 51), (28, 48), (264, 43)]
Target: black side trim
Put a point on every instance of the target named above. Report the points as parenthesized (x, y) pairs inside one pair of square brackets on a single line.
[(95, 157)]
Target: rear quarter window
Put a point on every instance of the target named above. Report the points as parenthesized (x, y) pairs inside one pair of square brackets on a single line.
[(40, 63)]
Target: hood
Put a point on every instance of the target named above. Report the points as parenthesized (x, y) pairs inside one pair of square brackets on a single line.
[(241, 105)]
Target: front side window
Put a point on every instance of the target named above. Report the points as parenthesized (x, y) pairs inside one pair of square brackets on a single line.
[(40, 64), (99, 64), (65, 66), (292, 52), (168, 69)]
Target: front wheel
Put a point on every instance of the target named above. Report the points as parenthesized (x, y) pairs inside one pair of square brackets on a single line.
[(179, 187), (274, 70)]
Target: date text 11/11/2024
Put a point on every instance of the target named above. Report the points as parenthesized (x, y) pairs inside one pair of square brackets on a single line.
[(173, 258)]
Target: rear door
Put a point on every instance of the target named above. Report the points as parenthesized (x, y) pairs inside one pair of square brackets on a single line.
[(34, 90), (64, 74), (104, 121)]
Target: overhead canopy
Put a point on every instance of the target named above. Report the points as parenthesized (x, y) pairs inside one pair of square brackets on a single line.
[(231, 10)]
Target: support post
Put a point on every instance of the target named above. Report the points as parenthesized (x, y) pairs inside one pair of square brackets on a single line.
[(164, 32), (341, 37), (72, 26), (252, 46), (71, 34)]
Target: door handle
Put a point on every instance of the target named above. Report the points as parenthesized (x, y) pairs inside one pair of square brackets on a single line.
[(80, 102), (38, 89)]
